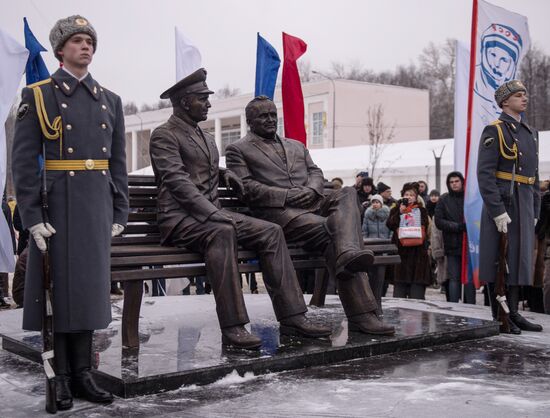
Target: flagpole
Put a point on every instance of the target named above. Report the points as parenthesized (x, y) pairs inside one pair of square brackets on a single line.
[(471, 81)]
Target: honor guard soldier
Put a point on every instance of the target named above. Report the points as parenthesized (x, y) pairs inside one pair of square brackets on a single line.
[(507, 173), (70, 130), (185, 162)]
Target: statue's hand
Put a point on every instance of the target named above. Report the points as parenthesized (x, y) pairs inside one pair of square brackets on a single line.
[(234, 182), (293, 195), (303, 198)]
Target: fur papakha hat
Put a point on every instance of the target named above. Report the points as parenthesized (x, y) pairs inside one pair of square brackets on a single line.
[(507, 89), (67, 27)]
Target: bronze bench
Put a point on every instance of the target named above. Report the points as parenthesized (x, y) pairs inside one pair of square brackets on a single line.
[(139, 247)]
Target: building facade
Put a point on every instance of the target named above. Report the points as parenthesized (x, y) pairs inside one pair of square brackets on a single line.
[(336, 115)]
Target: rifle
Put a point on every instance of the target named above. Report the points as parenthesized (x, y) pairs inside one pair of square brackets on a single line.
[(500, 285), (47, 312)]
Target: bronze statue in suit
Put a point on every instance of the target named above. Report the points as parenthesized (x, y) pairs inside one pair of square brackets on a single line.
[(185, 162), (283, 185)]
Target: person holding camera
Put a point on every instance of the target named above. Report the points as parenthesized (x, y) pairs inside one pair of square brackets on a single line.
[(408, 220)]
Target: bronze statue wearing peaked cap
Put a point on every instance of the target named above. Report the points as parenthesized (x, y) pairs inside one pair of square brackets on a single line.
[(185, 162)]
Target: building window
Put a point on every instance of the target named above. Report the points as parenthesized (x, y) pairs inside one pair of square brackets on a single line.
[(280, 127), (228, 137), (317, 128)]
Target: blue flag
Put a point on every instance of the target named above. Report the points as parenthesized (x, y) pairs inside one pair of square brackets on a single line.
[(36, 69), (267, 67)]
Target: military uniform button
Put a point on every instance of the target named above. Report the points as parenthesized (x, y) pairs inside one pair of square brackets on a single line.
[(104, 107), (104, 149), (103, 126), (520, 169), (64, 105), (520, 153), (71, 173), (103, 172), (100, 89), (69, 127), (70, 150), (56, 86)]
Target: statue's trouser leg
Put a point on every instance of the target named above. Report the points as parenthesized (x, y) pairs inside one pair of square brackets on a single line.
[(311, 230), (268, 240), (343, 221), (218, 242)]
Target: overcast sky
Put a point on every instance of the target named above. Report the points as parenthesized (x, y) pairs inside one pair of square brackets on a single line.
[(136, 52)]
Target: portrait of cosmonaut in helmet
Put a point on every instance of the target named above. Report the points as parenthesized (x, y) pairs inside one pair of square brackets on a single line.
[(500, 51)]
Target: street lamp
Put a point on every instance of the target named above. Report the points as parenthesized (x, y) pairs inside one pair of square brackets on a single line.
[(333, 105)]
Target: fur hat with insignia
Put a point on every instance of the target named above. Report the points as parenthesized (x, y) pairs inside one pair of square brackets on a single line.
[(507, 89), (67, 27)]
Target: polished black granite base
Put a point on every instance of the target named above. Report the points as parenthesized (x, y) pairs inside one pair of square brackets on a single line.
[(181, 342)]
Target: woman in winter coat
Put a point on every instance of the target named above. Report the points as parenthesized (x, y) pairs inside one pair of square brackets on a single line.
[(374, 223), (374, 226), (413, 274)]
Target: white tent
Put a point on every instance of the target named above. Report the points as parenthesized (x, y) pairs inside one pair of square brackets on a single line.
[(398, 163)]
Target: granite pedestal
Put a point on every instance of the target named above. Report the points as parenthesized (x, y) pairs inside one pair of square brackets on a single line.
[(181, 342)]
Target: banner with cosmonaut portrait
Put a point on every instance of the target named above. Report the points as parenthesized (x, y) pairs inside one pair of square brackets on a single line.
[(500, 39)]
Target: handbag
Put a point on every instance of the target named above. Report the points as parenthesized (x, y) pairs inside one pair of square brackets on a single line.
[(411, 232)]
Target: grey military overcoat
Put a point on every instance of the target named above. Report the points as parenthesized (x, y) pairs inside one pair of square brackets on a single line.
[(522, 205), (83, 204)]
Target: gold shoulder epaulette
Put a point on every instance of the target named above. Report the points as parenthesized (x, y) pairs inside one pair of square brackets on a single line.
[(40, 83), (496, 122), (50, 130)]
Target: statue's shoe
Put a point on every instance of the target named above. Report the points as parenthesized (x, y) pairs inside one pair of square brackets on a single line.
[(301, 326), (239, 337)]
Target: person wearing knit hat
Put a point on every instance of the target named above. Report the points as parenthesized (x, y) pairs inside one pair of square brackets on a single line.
[(79, 125), (507, 174), (385, 191)]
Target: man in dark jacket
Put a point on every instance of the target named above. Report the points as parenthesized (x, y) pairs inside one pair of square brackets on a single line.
[(185, 162), (449, 218), (80, 126)]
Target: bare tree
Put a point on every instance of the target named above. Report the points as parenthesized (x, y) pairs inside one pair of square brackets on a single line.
[(380, 135), (227, 91), (304, 69), (437, 63), (129, 108), (535, 73)]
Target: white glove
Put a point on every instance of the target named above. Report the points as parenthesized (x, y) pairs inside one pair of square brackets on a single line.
[(502, 222), (536, 220), (116, 230), (39, 232)]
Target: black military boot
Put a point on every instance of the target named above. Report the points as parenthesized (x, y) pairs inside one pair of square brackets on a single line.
[(64, 396), (520, 321), (83, 383), (511, 327)]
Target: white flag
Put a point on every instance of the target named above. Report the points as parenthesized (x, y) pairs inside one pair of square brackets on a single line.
[(462, 70), (502, 39), (188, 57), (13, 57)]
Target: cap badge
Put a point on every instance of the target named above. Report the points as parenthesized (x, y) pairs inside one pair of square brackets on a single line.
[(81, 22)]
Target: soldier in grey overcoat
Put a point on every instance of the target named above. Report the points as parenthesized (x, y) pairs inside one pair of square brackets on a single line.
[(507, 174), (283, 185), (185, 162), (81, 125)]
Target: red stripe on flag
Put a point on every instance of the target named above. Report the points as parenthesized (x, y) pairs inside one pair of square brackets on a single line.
[(471, 81), (293, 99)]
